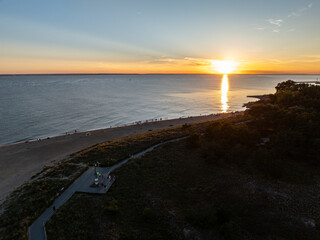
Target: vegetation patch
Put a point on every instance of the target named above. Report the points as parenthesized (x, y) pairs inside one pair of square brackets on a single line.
[(29, 201), (174, 193), (112, 152), (26, 204)]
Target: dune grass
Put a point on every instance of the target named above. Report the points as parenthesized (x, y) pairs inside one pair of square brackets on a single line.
[(173, 192), (112, 152), (28, 202)]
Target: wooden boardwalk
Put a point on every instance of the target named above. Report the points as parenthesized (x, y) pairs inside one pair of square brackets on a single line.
[(37, 230)]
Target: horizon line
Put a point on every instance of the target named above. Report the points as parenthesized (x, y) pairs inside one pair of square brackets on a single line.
[(52, 74)]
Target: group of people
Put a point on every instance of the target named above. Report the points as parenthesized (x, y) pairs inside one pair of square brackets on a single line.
[(100, 177)]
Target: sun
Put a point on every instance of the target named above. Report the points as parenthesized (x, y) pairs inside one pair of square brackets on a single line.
[(224, 67)]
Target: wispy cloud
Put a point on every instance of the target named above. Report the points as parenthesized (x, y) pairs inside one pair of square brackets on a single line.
[(198, 61), (299, 12), (276, 22), (184, 61), (275, 25), (164, 60), (298, 59)]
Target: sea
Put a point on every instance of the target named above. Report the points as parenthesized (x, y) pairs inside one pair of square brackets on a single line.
[(40, 106)]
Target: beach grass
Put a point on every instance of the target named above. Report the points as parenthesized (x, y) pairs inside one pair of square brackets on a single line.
[(28, 202), (111, 152), (173, 192)]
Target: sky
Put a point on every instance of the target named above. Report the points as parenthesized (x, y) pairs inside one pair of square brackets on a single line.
[(152, 36)]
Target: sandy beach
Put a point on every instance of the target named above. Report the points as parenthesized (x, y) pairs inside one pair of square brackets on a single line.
[(19, 161)]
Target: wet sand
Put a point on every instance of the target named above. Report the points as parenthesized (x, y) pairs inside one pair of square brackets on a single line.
[(18, 162)]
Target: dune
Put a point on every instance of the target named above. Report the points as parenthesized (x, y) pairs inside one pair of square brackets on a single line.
[(19, 161)]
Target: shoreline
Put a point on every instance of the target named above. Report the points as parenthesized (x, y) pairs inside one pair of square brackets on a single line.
[(260, 97), (19, 161), (68, 133)]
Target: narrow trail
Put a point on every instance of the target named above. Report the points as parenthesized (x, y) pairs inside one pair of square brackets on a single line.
[(37, 230)]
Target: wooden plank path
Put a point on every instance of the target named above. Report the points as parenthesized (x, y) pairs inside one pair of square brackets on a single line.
[(82, 184)]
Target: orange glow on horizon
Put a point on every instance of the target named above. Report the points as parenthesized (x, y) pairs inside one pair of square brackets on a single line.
[(224, 67), (174, 66)]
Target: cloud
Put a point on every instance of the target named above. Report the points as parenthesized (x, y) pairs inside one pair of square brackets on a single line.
[(187, 61), (276, 22), (299, 12), (164, 60), (299, 59), (198, 61)]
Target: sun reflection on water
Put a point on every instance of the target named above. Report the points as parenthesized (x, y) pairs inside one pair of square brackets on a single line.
[(224, 93)]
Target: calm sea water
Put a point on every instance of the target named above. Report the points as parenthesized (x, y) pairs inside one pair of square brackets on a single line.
[(41, 106)]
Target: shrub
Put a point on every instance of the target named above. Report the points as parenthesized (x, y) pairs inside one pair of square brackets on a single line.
[(231, 231), (204, 218), (186, 127), (149, 214), (194, 140), (112, 207), (317, 222)]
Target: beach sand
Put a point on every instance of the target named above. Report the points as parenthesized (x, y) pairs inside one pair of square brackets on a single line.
[(18, 162)]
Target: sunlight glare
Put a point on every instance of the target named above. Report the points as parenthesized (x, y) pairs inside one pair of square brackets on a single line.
[(224, 67), (224, 93)]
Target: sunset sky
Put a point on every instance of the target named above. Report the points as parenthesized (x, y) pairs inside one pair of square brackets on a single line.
[(167, 36)]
